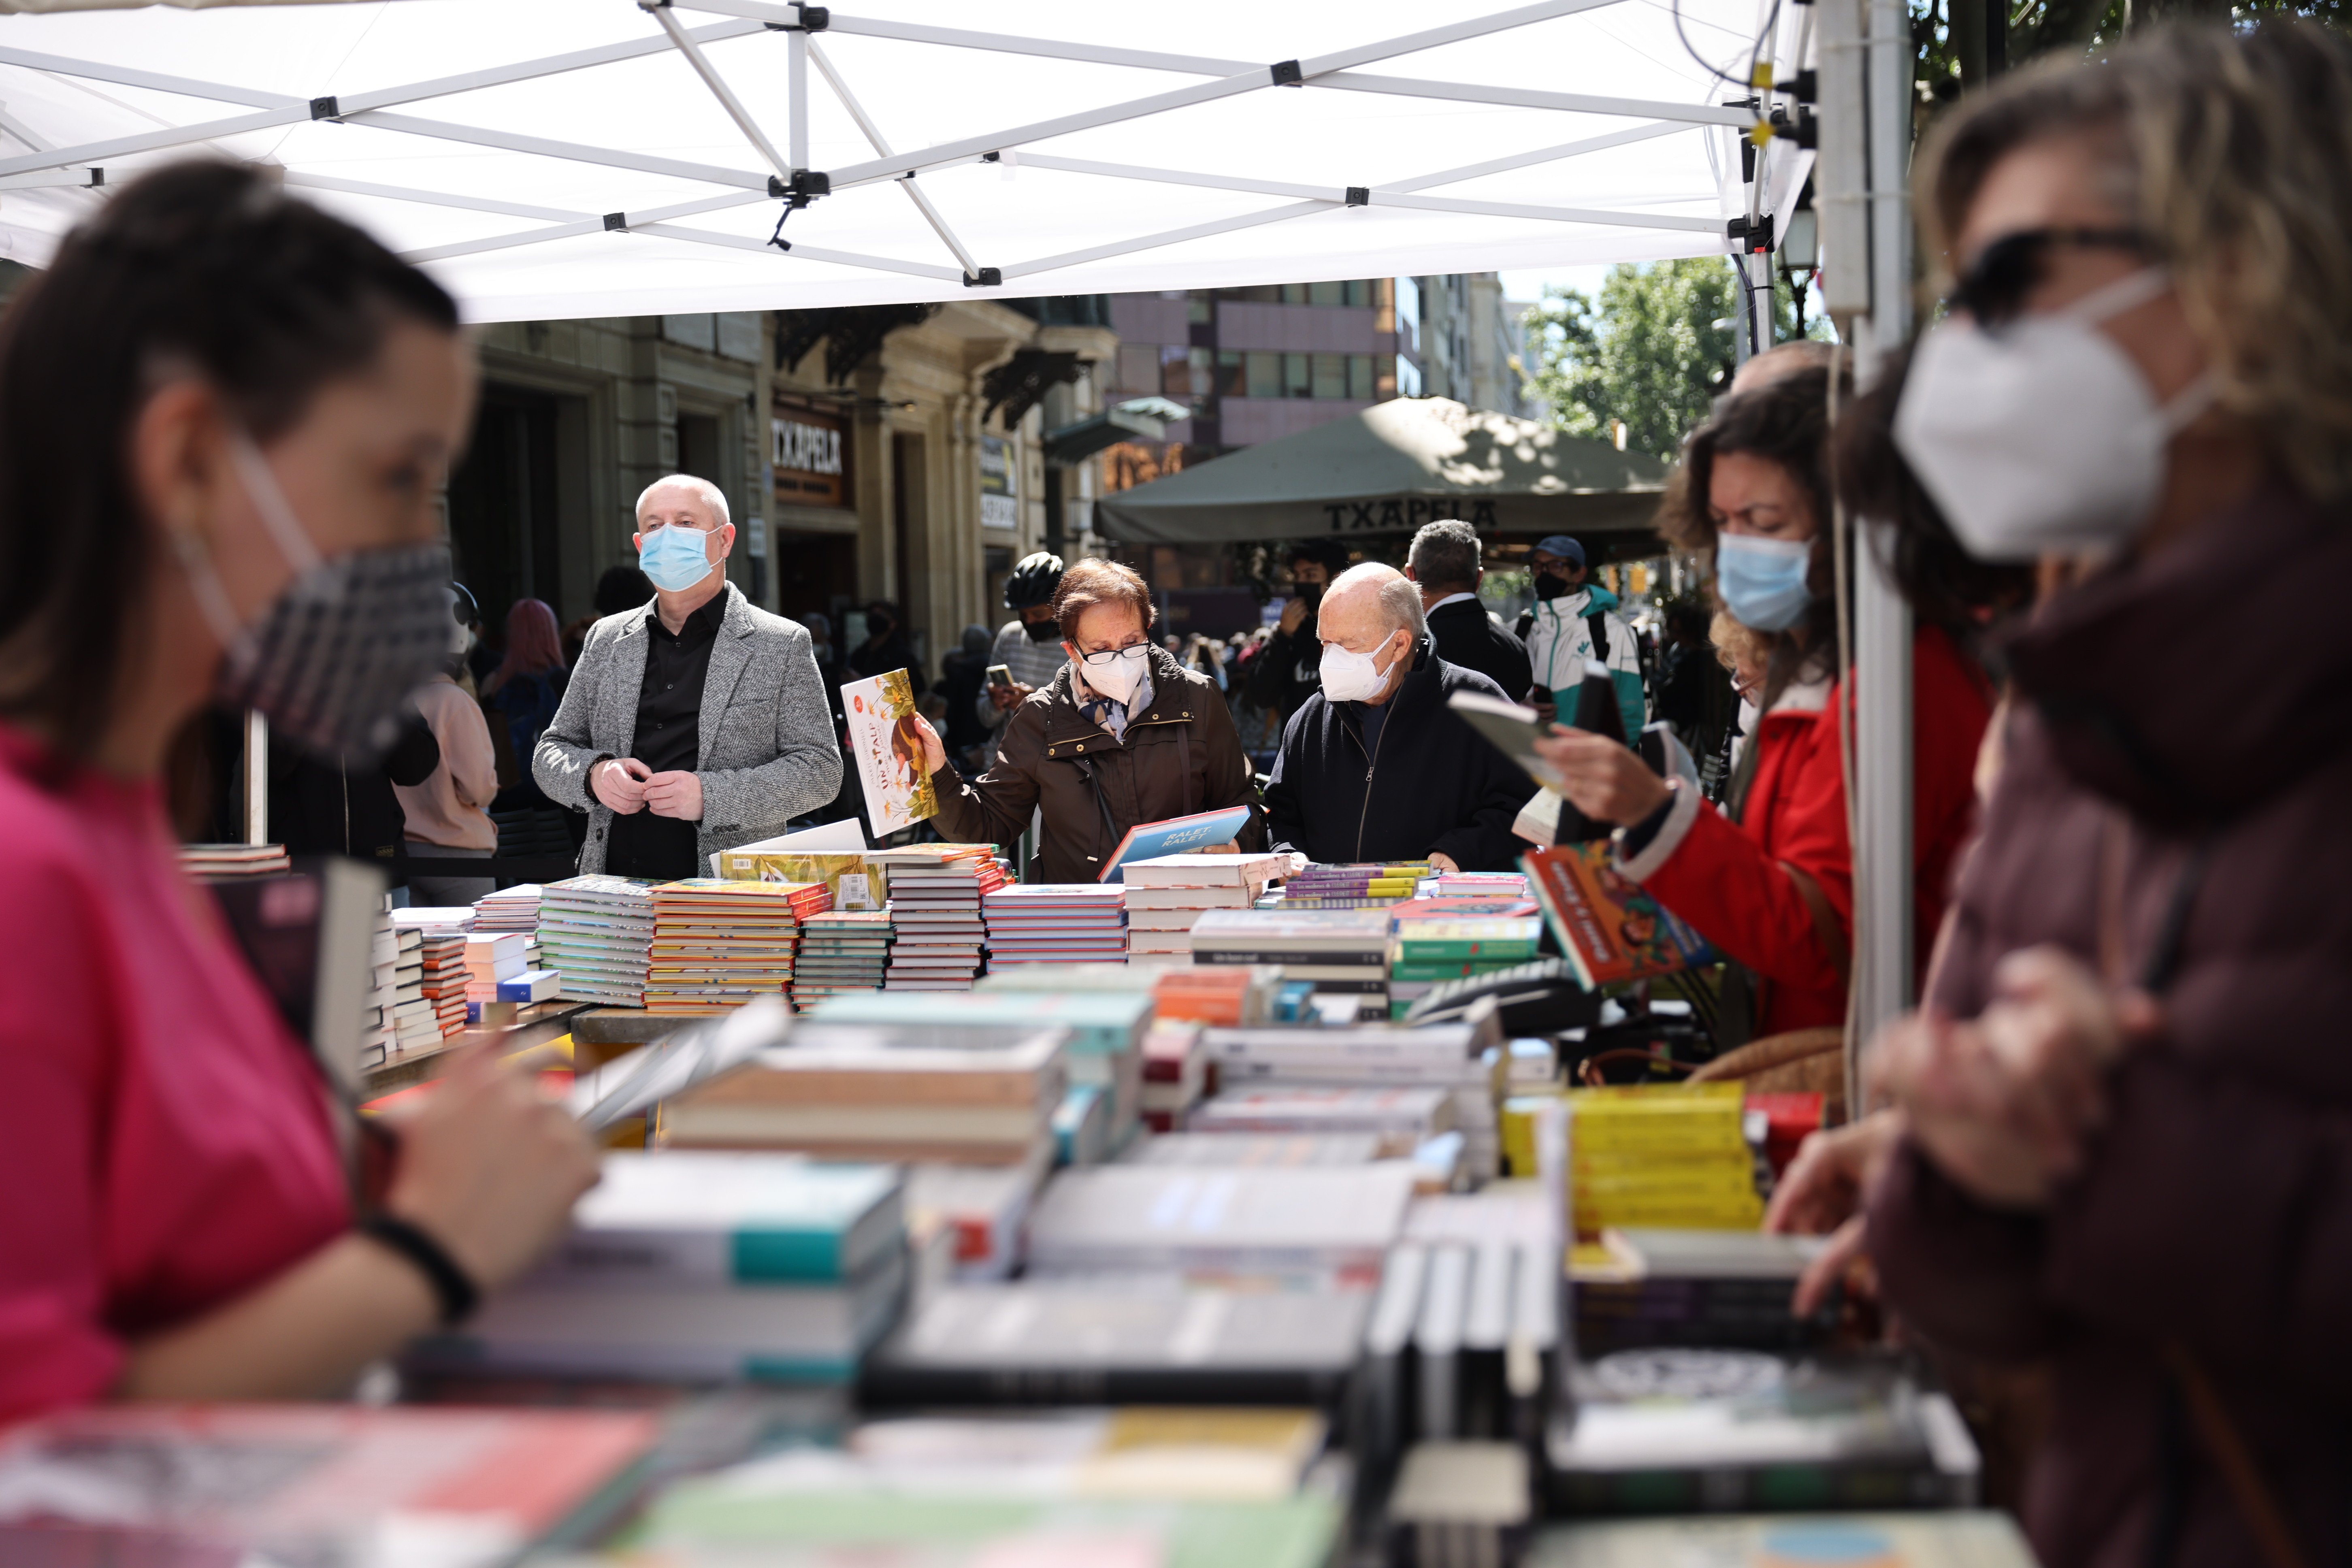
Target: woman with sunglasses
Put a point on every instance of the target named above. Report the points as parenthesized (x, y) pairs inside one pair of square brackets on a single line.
[(224, 422), (2127, 1114), (1769, 880)]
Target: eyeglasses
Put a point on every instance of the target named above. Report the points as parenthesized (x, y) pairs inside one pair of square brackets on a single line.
[(1100, 658), (1994, 288)]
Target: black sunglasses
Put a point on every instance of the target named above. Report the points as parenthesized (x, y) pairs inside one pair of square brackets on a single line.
[(1994, 288)]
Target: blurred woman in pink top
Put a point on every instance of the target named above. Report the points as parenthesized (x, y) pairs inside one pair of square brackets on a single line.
[(223, 420)]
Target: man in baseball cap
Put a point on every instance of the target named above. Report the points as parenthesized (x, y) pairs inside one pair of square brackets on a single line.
[(1572, 622)]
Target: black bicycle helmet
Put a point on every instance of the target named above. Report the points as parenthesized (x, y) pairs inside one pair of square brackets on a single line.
[(1033, 582)]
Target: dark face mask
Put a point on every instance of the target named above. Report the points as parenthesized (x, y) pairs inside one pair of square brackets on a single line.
[(1047, 630), (1551, 587), (1311, 594)]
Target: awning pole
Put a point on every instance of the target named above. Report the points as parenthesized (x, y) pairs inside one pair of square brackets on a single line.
[(256, 777)]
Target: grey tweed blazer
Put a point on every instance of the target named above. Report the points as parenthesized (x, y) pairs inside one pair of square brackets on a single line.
[(767, 751)]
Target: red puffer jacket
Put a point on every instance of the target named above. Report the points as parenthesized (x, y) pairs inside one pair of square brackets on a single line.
[(1734, 881)]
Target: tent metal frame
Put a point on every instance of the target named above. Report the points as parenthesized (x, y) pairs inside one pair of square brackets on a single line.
[(788, 179)]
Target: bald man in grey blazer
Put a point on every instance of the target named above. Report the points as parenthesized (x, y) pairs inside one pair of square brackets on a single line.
[(694, 723)]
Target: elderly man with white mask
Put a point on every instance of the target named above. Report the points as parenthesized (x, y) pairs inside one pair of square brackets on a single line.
[(1375, 766), (696, 723)]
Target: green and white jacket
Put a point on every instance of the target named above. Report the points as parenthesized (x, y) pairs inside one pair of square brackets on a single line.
[(1559, 643)]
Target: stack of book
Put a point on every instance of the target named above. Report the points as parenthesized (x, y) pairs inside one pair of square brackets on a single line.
[(490, 960), (441, 960), (1402, 1118), (1353, 886), (703, 1265), (935, 894), (213, 862), (1175, 1074), (1106, 1030), (596, 932), (842, 951), (1338, 951), (1669, 1155), (407, 1014), (1331, 1223), (1426, 952), (867, 1094), (1721, 1287), (1166, 895), (1054, 922), (717, 945), (1230, 994), (978, 1213), (511, 908), (376, 1038)]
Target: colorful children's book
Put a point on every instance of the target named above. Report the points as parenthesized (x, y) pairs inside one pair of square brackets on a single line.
[(1609, 929), (1174, 835), (888, 747)]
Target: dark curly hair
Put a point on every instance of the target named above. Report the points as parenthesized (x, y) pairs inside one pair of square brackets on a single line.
[(207, 267), (1786, 421)]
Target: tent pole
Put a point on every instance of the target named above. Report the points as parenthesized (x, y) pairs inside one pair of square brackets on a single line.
[(796, 90), (1882, 760), (873, 134), (597, 225), (719, 89), (800, 252)]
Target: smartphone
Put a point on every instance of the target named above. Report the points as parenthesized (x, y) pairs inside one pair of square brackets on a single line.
[(999, 675)]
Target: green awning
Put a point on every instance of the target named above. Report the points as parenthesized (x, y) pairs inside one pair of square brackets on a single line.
[(1390, 469)]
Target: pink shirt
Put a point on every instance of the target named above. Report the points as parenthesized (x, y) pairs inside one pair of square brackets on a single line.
[(168, 1144)]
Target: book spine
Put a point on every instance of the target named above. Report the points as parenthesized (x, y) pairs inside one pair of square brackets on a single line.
[(1356, 958), (897, 1385)]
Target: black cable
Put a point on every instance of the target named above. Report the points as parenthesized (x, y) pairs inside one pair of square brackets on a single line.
[(1674, 9)]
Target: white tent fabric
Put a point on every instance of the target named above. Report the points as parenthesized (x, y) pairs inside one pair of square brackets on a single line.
[(568, 158)]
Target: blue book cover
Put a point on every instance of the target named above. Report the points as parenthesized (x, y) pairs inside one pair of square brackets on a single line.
[(1174, 835), (1101, 1022)]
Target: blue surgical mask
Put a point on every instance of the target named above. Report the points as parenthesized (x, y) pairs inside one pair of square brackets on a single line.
[(674, 557), (1762, 581)]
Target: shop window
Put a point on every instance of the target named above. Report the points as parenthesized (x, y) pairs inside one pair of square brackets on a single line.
[(1359, 377), (1298, 375), (1265, 378), (1408, 378), (1138, 368), (1330, 372)]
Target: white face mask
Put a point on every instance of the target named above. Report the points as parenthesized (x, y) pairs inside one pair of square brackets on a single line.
[(2042, 435), (1353, 677), (1117, 678)]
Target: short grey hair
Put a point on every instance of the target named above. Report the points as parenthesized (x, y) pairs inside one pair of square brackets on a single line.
[(712, 496), (1400, 599), (1445, 555)]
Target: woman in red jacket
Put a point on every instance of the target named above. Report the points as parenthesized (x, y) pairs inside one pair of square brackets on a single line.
[(1770, 881)]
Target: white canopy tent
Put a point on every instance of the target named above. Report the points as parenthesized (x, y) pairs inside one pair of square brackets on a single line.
[(567, 158)]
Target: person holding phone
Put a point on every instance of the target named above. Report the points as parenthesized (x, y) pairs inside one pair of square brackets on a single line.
[(1122, 735), (225, 422)]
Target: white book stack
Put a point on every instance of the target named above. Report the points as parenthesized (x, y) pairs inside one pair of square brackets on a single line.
[(383, 994), (1165, 895), (512, 910), (1454, 1059), (490, 960), (413, 1021), (1332, 1222)]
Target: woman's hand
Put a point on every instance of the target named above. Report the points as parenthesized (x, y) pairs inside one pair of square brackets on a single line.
[(935, 753), (2006, 1105), (1601, 778), (1823, 1191), (489, 1169)]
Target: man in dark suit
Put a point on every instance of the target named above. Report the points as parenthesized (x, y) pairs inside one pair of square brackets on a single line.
[(1444, 564)]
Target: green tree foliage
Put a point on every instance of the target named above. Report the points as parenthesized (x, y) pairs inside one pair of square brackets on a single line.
[(1653, 351)]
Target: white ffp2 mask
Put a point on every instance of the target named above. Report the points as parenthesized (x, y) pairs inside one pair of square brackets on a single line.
[(1352, 676), (2042, 435)]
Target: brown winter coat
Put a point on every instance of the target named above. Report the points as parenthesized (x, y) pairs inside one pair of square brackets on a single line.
[(2214, 1216), (1179, 755)]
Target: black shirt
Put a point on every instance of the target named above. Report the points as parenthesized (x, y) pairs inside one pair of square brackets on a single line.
[(668, 739)]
